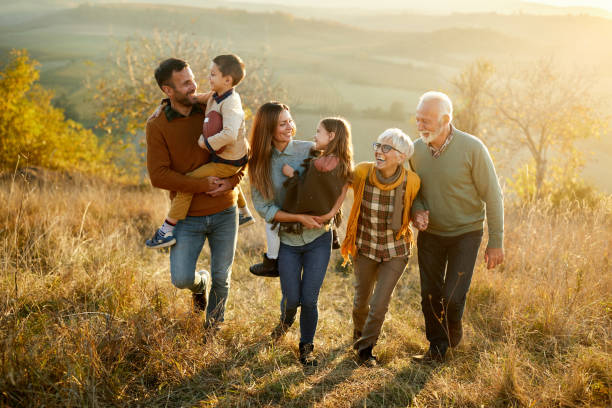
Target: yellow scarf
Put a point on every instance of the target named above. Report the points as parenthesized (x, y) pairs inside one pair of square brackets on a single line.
[(365, 171)]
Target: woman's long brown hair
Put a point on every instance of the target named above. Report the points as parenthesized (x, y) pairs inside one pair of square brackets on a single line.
[(260, 139), (341, 145)]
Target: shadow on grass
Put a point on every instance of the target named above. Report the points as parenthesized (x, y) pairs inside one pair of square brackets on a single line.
[(401, 390), (260, 373)]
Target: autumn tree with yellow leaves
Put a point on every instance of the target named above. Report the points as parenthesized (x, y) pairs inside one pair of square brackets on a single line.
[(35, 133)]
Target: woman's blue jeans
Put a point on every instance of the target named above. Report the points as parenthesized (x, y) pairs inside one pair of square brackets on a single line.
[(302, 270)]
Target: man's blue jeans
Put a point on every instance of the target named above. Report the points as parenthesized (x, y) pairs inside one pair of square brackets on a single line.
[(302, 270), (191, 233), (446, 265)]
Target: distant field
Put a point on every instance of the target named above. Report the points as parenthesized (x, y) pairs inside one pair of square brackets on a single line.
[(364, 130), (325, 67)]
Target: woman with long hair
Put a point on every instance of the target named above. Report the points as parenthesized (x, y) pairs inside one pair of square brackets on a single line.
[(277, 175)]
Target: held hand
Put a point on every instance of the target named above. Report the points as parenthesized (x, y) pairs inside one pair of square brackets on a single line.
[(493, 257), (219, 186), (321, 219), (421, 220), (202, 143), (309, 222), (288, 170)]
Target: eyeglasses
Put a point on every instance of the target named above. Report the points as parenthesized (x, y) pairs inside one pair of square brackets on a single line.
[(385, 148)]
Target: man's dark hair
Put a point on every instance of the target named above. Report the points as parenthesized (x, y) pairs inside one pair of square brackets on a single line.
[(232, 65), (163, 73)]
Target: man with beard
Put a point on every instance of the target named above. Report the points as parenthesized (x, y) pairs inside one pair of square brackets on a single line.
[(173, 151), (458, 187)]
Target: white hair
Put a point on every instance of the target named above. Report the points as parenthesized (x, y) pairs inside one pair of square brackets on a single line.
[(444, 103), (399, 140)]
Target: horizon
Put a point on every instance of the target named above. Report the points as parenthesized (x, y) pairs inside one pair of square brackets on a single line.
[(440, 5)]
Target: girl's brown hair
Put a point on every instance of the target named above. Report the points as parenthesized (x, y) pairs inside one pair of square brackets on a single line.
[(260, 139), (341, 145)]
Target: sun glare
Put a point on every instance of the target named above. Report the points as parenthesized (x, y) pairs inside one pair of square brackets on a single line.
[(602, 4)]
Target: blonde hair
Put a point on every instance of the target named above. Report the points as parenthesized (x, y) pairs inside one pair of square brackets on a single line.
[(341, 145), (399, 140), (260, 139)]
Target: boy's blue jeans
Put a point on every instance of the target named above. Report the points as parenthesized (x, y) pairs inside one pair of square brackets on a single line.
[(302, 270), (446, 265), (191, 233)]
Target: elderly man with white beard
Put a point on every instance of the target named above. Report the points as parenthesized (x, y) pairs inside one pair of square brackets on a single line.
[(458, 187)]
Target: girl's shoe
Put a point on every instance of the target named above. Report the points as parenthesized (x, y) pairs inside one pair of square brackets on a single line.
[(269, 267)]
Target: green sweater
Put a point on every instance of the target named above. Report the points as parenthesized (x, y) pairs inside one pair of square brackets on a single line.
[(457, 187)]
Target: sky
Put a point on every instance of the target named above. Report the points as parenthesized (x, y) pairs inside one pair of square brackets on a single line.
[(602, 4), (451, 5)]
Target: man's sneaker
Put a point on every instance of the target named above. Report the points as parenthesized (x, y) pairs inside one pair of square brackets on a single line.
[(199, 299), (161, 240), (306, 356), (199, 302), (269, 267), (205, 277), (245, 220)]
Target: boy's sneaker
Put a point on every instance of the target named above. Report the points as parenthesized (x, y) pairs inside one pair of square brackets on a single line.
[(245, 220), (199, 302), (161, 240)]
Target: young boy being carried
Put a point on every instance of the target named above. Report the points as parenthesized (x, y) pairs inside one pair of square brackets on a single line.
[(223, 135)]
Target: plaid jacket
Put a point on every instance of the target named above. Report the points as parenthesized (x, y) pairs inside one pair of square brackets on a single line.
[(375, 239)]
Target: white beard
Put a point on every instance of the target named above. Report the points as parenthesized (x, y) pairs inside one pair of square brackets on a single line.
[(431, 136)]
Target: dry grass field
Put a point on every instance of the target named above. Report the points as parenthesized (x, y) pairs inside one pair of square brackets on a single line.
[(88, 317)]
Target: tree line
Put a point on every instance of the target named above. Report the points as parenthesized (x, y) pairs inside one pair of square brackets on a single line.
[(540, 112)]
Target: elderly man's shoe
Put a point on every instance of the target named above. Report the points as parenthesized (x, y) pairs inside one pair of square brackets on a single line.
[(435, 354), (455, 333)]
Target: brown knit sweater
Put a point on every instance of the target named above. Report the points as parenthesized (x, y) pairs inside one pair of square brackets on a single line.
[(173, 151)]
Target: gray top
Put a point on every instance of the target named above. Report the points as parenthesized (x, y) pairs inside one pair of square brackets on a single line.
[(459, 187)]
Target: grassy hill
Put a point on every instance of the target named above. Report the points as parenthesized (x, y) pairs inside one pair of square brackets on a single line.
[(90, 318)]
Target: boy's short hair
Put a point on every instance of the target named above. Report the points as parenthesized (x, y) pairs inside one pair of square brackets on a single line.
[(163, 73), (232, 65), (399, 140)]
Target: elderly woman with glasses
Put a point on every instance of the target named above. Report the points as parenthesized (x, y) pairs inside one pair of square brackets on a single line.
[(378, 235)]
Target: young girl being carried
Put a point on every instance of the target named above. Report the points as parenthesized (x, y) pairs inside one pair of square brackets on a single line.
[(314, 188)]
